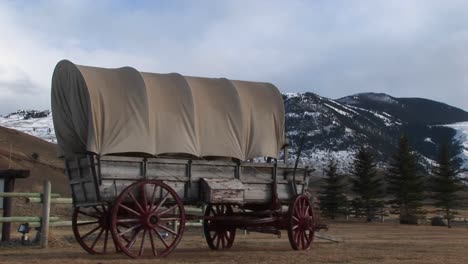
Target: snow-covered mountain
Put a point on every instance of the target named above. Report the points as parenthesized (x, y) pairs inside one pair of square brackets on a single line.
[(462, 137), (335, 128)]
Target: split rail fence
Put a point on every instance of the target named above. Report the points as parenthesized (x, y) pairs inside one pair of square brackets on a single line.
[(45, 220)]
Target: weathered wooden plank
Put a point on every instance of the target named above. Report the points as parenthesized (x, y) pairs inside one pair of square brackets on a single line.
[(257, 192), (207, 171), (157, 170), (220, 163), (263, 173), (24, 219), (168, 161), (56, 223), (215, 190), (26, 195), (120, 158), (45, 216), (52, 200), (121, 169)]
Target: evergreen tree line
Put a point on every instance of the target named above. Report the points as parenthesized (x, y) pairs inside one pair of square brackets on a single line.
[(403, 185)]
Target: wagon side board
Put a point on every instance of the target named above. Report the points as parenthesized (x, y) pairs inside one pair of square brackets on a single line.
[(195, 181)]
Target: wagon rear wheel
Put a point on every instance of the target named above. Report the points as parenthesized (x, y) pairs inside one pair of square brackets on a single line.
[(217, 235), (91, 227), (301, 223), (148, 218)]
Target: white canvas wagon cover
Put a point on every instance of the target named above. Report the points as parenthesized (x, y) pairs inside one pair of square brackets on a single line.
[(114, 111)]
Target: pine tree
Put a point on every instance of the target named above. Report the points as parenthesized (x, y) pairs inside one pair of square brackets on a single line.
[(365, 183), (445, 182), (405, 183), (332, 198)]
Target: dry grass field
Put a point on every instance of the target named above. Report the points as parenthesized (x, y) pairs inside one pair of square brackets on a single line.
[(363, 243)]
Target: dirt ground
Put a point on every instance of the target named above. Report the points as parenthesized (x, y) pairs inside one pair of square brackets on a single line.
[(363, 243)]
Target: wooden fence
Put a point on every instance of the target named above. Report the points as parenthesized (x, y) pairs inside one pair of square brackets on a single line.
[(45, 220)]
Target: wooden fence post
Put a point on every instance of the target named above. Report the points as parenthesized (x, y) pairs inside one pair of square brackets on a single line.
[(45, 214)]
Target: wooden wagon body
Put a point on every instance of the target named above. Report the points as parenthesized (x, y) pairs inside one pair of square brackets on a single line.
[(94, 180)]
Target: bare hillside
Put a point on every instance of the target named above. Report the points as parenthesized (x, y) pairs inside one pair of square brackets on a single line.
[(22, 151)]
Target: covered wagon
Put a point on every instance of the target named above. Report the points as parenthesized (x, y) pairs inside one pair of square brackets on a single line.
[(139, 147)]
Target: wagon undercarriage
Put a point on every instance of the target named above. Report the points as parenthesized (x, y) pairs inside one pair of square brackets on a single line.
[(143, 213)]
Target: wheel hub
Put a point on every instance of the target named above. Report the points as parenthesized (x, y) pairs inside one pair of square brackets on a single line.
[(151, 220)]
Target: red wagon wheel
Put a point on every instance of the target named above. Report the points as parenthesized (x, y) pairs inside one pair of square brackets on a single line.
[(301, 223), (217, 235), (148, 218), (91, 227)]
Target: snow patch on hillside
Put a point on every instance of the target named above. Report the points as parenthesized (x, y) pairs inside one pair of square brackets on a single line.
[(27, 122), (337, 110), (462, 136)]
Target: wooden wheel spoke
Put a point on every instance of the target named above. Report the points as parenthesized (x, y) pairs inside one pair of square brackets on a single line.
[(129, 209), (106, 236), (129, 230), (304, 244), (97, 238), (296, 236), (133, 240), (212, 210), (167, 229), (161, 238), (162, 202), (217, 241), (142, 245), (306, 212), (131, 220), (153, 249), (87, 223), (97, 210), (90, 232), (153, 197), (136, 202), (223, 239), (299, 238), (167, 210), (143, 198)]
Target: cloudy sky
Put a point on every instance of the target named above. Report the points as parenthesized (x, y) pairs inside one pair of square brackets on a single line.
[(332, 48)]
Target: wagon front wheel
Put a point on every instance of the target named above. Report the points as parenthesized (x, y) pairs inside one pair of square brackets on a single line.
[(148, 218), (91, 227), (217, 235), (301, 223)]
